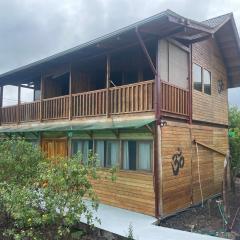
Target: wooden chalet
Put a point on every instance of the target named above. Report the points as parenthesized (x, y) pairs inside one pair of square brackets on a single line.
[(150, 98)]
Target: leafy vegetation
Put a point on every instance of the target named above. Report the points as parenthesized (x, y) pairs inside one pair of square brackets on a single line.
[(234, 139), (40, 199)]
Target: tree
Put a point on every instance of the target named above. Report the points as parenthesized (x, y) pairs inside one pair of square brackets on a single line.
[(234, 139)]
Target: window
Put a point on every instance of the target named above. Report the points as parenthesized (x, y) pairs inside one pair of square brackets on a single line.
[(207, 81), (137, 155), (173, 62), (197, 77), (107, 153), (201, 79), (82, 146)]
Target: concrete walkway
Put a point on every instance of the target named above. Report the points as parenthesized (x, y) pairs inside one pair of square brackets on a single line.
[(118, 220)]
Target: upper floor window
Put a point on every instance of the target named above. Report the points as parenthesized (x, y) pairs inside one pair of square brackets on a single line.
[(197, 77), (207, 81), (201, 79)]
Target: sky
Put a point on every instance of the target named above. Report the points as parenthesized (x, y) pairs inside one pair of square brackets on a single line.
[(34, 29)]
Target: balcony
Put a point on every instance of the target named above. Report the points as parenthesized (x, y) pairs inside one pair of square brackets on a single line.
[(132, 98)]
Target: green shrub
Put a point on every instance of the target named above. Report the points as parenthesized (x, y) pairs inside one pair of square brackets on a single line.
[(40, 199), (19, 161), (234, 139)]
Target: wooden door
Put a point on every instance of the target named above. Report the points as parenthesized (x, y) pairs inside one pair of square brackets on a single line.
[(54, 148)]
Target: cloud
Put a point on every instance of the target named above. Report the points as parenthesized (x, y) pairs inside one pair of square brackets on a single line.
[(34, 29)]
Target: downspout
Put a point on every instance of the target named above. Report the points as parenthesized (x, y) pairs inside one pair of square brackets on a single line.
[(157, 148)]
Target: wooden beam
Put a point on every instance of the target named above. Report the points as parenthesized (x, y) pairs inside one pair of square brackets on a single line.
[(189, 24), (108, 70), (1, 102), (167, 34), (116, 132), (190, 63), (70, 92), (18, 105), (41, 97), (178, 44), (36, 134), (146, 52), (191, 40), (149, 129), (209, 147)]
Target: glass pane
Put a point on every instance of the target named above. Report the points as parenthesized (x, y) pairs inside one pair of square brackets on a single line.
[(113, 153), (144, 156), (125, 155), (100, 152), (207, 81), (85, 151), (197, 77), (178, 66), (129, 155), (76, 146)]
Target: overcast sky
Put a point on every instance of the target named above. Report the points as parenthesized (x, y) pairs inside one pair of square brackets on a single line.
[(34, 29)]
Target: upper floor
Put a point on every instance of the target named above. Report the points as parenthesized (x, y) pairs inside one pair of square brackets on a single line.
[(167, 66)]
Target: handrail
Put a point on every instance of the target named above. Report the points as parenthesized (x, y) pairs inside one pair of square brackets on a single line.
[(130, 98)]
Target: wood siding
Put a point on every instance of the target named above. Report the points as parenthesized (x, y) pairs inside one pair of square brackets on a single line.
[(211, 108), (54, 148), (131, 190), (179, 192)]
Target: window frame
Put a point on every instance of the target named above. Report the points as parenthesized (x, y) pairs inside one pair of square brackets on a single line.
[(137, 155), (81, 140), (210, 74), (202, 79), (106, 151), (120, 152)]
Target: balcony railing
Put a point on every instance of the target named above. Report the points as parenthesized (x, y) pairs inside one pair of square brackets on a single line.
[(131, 98)]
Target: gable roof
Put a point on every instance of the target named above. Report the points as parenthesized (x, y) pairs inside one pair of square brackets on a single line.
[(216, 21), (167, 23)]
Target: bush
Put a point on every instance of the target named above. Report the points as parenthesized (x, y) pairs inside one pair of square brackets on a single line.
[(234, 139), (40, 199), (19, 161)]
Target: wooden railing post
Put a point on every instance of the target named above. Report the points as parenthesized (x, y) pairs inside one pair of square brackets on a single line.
[(18, 104), (108, 100), (41, 97), (1, 101), (70, 93)]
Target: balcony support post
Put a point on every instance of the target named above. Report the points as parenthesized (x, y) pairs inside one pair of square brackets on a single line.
[(190, 85), (18, 104), (157, 180), (70, 93), (108, 102), (1, 102), (41, 97)]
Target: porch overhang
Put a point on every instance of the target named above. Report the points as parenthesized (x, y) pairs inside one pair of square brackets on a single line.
[(78, 126)]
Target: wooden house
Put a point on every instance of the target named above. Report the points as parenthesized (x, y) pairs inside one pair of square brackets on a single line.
[(150, 98)]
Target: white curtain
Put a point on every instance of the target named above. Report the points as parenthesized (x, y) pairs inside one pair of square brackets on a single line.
[(76, 146), (113, 153), (100, 152), (125, 155), (144, 155), (85, 151)]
